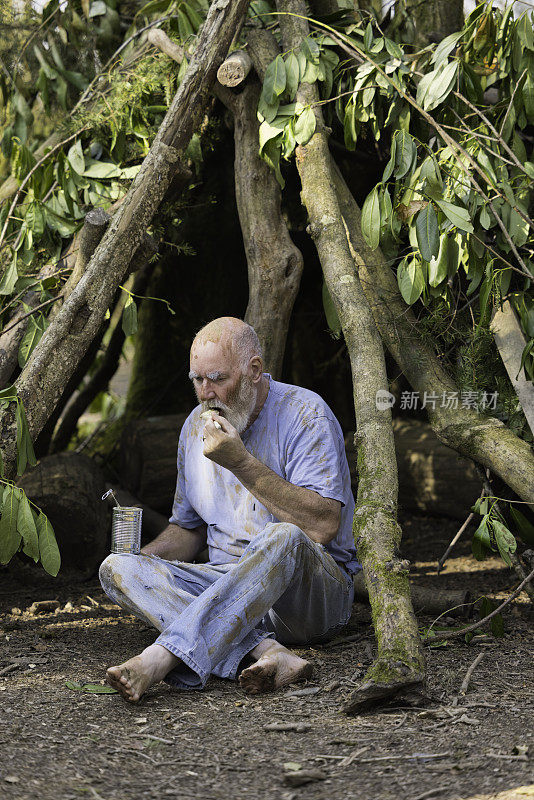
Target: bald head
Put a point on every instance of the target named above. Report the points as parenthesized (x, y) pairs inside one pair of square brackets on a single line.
[(238, 339)]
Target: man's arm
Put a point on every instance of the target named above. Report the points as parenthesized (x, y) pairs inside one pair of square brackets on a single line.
[(176, 543), (317, 516)]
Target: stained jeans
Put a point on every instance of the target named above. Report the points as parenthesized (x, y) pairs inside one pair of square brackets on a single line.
[(211, 615)]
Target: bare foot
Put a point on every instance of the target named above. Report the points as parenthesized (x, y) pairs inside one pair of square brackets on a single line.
[(275, 667), (134, 677)]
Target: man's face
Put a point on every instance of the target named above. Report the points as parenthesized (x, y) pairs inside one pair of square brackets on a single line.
[(220, 382)]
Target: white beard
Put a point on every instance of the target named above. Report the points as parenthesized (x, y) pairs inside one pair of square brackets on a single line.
[(240, 412)]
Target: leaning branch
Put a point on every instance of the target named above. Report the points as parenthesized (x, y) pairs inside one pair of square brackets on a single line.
[(64, 343)]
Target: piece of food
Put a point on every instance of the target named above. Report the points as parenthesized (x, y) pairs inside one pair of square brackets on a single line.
[(207, 415)]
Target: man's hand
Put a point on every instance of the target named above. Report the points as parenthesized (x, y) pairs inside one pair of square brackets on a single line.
[(223, 445)]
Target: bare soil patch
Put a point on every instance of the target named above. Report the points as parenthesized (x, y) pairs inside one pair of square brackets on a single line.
[(57, 743)]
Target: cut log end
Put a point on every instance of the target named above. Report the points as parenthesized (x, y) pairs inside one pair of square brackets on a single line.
[(234, 69)]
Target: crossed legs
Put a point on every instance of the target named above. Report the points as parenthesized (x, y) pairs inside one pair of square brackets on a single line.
[(211, 616)]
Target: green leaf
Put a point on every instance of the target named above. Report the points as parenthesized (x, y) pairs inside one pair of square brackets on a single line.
[(27, 529), (274, 82), (9, 536), (292, 75), (331, 313), (438, 266), (388, 172), (410, 280), (404, 153), (426, 226), (505, 540), (393, 48), (457, 215), (497, 626), (481, 543), (525, 529), (48, 549), (129, 317), (92, 688), (305, 126), (311, 49), (445, 47), (106, 169), (268, 131), (36, 328), (75, 157), (436, 85), (271, 154), (528, 98), (9, 278), (267, 112), (370, 222)]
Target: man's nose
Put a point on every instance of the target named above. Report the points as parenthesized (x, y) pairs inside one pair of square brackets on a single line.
[(206, 391)]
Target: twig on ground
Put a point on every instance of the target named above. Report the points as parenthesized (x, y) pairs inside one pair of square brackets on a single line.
[(344, 640), (431, 793), (445, 555), (466, 680), (151, 736), (439, 637)]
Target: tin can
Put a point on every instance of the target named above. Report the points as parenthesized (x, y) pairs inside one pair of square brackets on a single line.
[(126, 530)]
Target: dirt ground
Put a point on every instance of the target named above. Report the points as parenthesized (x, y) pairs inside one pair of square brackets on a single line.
[(57, 743)]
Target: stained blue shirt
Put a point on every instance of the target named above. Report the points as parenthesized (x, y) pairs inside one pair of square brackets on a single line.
[(298, 437)]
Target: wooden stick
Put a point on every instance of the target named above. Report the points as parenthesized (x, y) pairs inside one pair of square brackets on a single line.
[(466, 680), (453, 542)]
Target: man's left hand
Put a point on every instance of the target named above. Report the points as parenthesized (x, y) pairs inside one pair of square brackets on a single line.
[(223, 445)]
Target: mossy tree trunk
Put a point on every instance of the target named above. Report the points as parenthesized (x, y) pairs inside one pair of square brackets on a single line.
[(400, 661), (484, 439)]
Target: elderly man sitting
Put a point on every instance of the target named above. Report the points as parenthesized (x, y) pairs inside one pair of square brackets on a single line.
[(264, 481)]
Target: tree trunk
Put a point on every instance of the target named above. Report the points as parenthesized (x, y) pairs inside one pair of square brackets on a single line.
[(94, 227), (429, 21), (484, 439), (274, 263), (69, 487), (400, 661), (65, 341)]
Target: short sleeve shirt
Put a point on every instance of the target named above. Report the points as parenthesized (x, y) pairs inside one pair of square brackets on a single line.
[(298, 437)]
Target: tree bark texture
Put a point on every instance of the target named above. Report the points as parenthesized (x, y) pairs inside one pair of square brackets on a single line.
[(94, 227), (431, 20), (400, 660), (68, 488), (64, 343), (274, 263), (484, 439)]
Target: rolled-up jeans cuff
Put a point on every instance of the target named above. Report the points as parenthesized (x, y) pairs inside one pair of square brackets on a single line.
[(229, 666), (188, 674)]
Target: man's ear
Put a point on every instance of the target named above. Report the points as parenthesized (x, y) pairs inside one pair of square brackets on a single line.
[(255, 366)]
